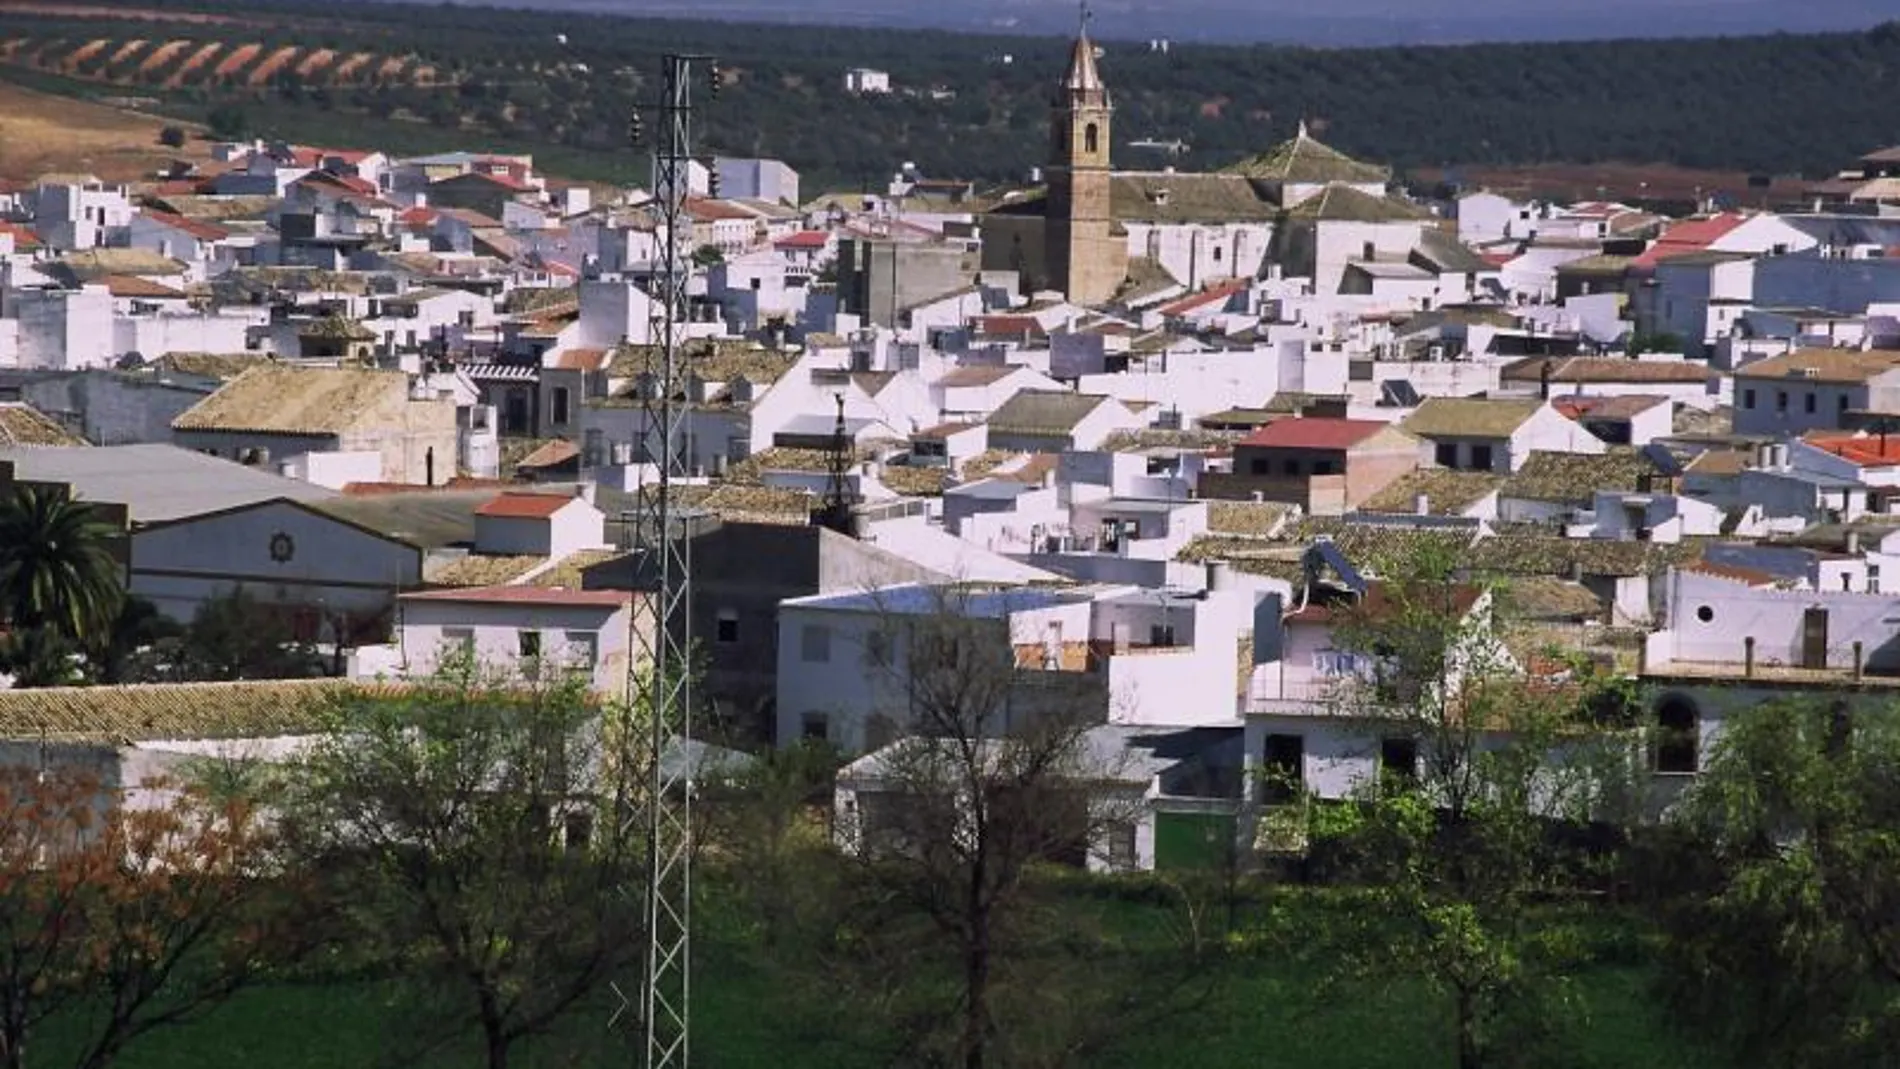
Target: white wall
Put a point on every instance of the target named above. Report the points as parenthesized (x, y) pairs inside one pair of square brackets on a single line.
[(429, 628)]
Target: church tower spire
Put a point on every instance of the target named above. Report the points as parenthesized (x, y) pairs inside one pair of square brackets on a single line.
[(1084, 259)]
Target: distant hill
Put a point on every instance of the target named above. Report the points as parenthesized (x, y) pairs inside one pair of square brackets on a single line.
[(971, 106)]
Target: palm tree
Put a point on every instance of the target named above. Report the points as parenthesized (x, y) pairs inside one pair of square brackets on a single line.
[(57, 569)]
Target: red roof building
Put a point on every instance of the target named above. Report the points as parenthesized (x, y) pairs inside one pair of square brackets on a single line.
[(1688, 236), (805, 240), (1323, 464), (525, 506), (1313, 432)]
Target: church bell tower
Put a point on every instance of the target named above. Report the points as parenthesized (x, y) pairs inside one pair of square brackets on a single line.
[(1086, 261)]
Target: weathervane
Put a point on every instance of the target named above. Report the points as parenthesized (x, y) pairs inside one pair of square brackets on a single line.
[(1088, 16)]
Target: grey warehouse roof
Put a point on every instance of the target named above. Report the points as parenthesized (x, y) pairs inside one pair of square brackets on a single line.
[(156, 483)]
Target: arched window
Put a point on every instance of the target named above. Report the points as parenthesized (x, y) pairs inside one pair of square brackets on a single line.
[(1091, 139)]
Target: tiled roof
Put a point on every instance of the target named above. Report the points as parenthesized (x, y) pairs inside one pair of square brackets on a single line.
[(1259, 519), (915, 482), (22, 424), (804, 239), (1345, 204), (1469, 417), (1447, 493), (93, 264), (712, 361), (276, 399), (550, 455), (154, 711), (1312, 432), (525, 506), (737, 503), (1718, 462), (1146, 438), (134, 286), (337, 328), (1044, 412), (24, 238), (1211, 295), (1574, 478), (1010, 326), (1865, 450), (1620, 407), (197, 228), (1595, 369), (582, 360), (1512, 552), (526, 595), (1545, 598), (1823, 365), (1688, 235), (221, 366), (483, 569), (1306, 160), (567, 571), (977, 375)]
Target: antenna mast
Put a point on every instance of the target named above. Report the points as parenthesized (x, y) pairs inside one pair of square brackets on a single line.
[(661, 684)]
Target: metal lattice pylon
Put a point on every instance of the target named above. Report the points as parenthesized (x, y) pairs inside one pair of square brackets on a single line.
[(661, 687)]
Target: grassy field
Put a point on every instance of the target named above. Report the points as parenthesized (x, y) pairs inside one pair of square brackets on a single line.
[(41, 132), (1267, 1011)]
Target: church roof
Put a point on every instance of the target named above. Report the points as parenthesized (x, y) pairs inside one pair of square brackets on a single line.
[(1159, 197), (1344, 203), (1304, 158)]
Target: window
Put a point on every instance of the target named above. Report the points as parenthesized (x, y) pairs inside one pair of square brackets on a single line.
[(1676, 735), (1781, 400), (1217, 253), (1282, 774), (815, 726), (1840, 403), (1290, 467), (756, 284), (1481, 458), (1261, 467), (528, 643), (583, 648), (1873, 579), (1446, 455), (559, 404), (458, 641), (1705, 614), (1091, 138), (578, 829), (726, 630), (1322, 467), (1810, 402), (1748, 399), (877, 648), (814, 644), (1398, 758), (1161, 635)]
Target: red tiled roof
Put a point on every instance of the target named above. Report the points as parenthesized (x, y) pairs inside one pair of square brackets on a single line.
[(195, 227), (713, 210), (1864, 450), (528, 595), (506, 181), (1622, 406), (360, 186), (470, 217), (1314, 432), (556, 267), (582, 360), (805, 239), (417, 217), (1497, 259), (1690, 235), (525, 506), (23, 237), (1010, 326), (1206, 297)]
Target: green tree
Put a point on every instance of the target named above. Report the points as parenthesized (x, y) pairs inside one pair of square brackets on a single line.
[(1783, 939), (472, 830), (1452, 847), (234, 636), (57, 567), (228, 122)]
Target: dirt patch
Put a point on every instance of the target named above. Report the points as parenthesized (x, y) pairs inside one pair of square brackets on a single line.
[(276, 61), (84, 52), (391, 67), (237, 59), (127, 51), (41, 134), (315, 62), (350, 67), (191, 64), (1631, 182), (164, 54)]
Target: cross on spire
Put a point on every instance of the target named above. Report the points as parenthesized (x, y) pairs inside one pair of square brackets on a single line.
[(1087, 17)]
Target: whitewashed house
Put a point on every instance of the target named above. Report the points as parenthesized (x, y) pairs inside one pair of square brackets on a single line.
[(526, 631), (1493, 434), (518, 523)]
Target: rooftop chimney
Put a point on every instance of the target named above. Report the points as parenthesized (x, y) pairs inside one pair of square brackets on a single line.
[(1422, 504)]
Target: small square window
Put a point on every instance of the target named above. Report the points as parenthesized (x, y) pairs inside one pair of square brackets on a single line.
[(814, 644), (528, 643), (815, 726), (1447, 454), (726, 630), (583, 647), (1481, 458)]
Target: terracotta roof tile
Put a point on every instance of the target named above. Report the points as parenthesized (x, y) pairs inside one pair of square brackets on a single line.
[(527, 595), (1312, 432), (525, 506)]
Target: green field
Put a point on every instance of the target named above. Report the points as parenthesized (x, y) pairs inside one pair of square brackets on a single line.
[(1267, 1010)]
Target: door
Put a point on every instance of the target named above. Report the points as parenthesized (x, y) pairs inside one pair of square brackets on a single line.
[(1814, 638)]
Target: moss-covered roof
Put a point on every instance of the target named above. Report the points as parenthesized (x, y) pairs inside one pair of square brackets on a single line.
[(1469, 417), (1345, 204), (336, 328), (221, 366), (161, 711), (1574, 478), (1257, 519), (483, 569), (1512, 552), (22, 424), (1304, 159), (1447, 493), (275, 398), (916, 482)]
